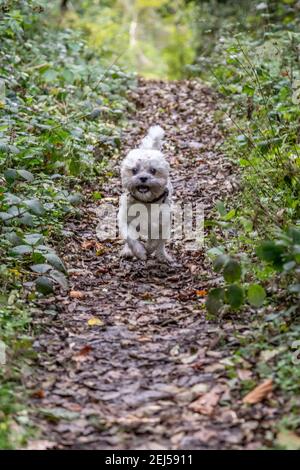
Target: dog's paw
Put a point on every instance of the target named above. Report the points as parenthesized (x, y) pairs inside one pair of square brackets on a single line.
[(126, 252), (139, 251), (165, 258)]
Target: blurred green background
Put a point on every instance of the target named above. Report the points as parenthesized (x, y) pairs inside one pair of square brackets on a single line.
[(155, 38), (167, 39)]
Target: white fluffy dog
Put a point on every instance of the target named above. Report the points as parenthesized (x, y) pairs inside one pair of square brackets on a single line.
[(144, 214)]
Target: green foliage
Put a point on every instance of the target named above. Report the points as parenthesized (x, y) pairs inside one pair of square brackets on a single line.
[(61, 111), (253, 60), (233, 294), (281, 255), (232, 271), (251, 54), (256, 295), (16, 336), (59, 100), (215, 300), (60, 115)]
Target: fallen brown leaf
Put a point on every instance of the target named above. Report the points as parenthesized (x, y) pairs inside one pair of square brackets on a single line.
[(201, 293), (186, 294), (146, 296), (259, 392), (244, 374), (40, 393), (87, 244), (206, 403), (83, 353), (85, 350), (193, 268), (144, 339), (73, 406), (77, 294)]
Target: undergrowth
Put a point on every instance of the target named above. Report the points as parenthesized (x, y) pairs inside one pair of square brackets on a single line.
[(61, 113), (253, 63)]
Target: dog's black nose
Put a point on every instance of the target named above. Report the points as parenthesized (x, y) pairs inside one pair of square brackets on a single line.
[(143, 179)]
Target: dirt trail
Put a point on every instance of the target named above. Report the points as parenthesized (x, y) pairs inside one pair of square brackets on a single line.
[(153, 374)]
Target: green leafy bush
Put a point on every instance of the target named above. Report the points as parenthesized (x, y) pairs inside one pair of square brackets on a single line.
[(251, 54), (283, 254), (61, 112), (60, 116), (236, 291), (278, 256), (253, 59)]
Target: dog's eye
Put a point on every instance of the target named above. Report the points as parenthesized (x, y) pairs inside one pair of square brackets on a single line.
[(152, 171), (134, 171)]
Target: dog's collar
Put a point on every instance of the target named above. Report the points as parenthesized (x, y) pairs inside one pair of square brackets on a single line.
[(163, 196)]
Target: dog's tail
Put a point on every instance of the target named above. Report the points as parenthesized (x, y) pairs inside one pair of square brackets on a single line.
[(154, 138)]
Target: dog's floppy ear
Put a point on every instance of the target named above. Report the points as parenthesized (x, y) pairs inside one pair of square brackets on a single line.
[(125, 162), (126, 165), (164, 163), (124, 169), (167, 165)]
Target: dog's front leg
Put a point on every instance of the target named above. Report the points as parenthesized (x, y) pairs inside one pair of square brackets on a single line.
[(137, 248), (126, 251), (132, 246), (161, 253)]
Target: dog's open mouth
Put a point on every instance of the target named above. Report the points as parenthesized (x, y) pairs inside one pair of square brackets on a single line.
[(143, 189)]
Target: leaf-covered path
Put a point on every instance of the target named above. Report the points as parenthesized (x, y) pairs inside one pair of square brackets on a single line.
[(128, 361)]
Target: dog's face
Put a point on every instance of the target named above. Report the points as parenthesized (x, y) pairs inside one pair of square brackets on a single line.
[(145, 174)]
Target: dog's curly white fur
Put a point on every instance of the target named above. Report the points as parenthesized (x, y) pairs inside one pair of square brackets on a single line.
[(146, 181)]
